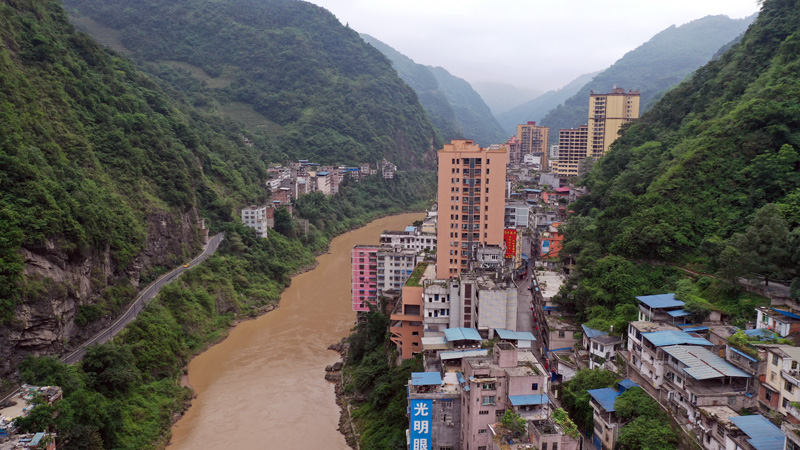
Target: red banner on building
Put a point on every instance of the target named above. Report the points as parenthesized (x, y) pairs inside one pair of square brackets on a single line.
[(510, 238)]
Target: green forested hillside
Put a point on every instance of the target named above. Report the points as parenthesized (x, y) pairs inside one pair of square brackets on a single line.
[(90, 148), (327, 95), (709, 177), (654, 67), (457, 111)]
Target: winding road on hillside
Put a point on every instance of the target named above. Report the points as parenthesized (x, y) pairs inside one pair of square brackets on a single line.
[(142, 300), (145, 297)]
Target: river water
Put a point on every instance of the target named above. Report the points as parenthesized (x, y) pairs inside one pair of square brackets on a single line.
[(263, 386)]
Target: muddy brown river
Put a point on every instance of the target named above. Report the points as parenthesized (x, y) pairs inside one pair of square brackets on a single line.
[(263, 386)]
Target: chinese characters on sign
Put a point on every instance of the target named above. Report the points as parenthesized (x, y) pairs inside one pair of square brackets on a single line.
[(510, 238), (420, 418)]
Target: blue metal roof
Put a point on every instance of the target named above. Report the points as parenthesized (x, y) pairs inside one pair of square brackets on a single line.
[(626, 384), (458, 354), (660, 301), (672, 337), (592, 333), (426, 379), (531, 399), (605, 397), (37, 438), (761, 333), (679, 313), (322, 174), (688, 330), (460, 377), (763, 434), (462, 334), (745, 355), (786, 313), (411, 228), (703, 364), (515, 335), (550, 308)]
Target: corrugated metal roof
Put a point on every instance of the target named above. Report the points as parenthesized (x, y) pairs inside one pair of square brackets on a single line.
[(679, 313), (627, 384), (693, 329), (514, 335), (591, 332), (660, 300), (531, 399), (743, 354), (673, 337), (462, 334), (426, 379), (703, 364), (411, 228), (456, 354), (605, 397), (764, 435), (786, 313), (761, 333), (460, 377)]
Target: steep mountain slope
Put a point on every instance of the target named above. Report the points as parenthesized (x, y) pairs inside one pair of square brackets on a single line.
[(693, 180), (326, 94), (102, 179), (454, 107), (653, 67), (537, 108)]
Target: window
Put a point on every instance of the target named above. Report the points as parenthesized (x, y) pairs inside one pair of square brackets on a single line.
[(488, 386), (561, 334), (787, 386), (544, 445), (774, 359), (488, 400), (483, 412), (535, 386), (482, 431), (555, 446), (767, 395)]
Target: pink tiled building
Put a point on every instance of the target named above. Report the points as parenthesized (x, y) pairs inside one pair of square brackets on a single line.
[(364, 261)]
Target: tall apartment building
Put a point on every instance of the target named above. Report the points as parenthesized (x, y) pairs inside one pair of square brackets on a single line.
[(377, 270), (471, 202), (572, 149), (607, 113), (533, 139), (255, 217)]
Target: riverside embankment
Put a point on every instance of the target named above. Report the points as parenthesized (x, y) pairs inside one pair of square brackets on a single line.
[(263, 387)]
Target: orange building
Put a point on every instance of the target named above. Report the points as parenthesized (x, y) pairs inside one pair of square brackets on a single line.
[(551, 242), (471, 202), (407, 327), (534, 139)]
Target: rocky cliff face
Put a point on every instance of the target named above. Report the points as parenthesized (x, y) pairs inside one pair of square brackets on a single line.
[(45, 322)]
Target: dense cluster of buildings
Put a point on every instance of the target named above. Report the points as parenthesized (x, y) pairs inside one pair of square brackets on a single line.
[(303, 177), (471, 291), (20, 405)]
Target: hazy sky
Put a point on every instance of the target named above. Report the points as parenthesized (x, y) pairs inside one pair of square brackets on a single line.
[(532, 44)]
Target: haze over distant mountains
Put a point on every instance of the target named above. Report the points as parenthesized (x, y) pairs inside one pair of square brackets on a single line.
[(537, 108), (452, 104), (654, 67), (501, 97)]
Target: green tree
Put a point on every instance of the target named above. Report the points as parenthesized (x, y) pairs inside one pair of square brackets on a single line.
[(761, 250), (283, 222), (514, 423), (576, 399), (110, 369), (646, 426)]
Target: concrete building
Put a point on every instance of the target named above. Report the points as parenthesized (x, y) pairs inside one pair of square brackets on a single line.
[(754, 433), (572, 149), (517, 215), (645, 343), (255, 217), (395, 265), (509, 379), (471, 196), (407, 320), (606, 422), (324, 182), (442, 398), (603, 352), (533, 139), (607, 113), (660, 308), (515, 153), (777, 320), (439, 297), (364, 262), (548, 435), (496, 306), (411, 238), (781, 384)]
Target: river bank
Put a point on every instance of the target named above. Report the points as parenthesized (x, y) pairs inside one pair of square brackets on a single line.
[(266, 373)]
